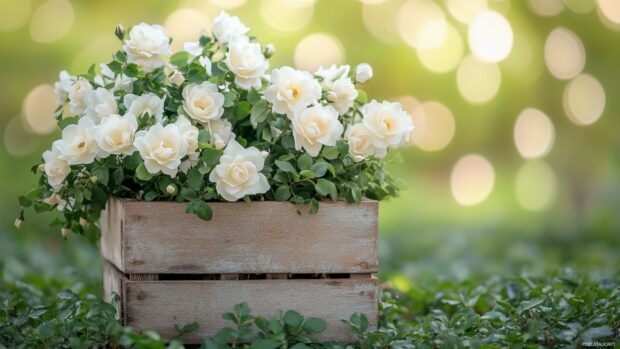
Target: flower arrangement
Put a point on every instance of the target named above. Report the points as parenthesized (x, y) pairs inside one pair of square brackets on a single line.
[(212, 123)]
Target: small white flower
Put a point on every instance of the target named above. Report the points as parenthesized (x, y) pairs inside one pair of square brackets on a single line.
[(77, 145), (64, 231), (162, 148), (189, 132), (246, 61), (206, 63), (331, 74), (122, 82), (221, 132), (388, 122), (177, 78), (291, 91), (56, 200), (147, 46), (238, 173), (19, 223), (99, 104), (226, 27), (316, 126), (147, 103), (193, 48), (77, 96), (191, 161), (56, 169), (362, 143), (171, 189), (363, 73), (203, 102), (115, 134), (269, 50), (63, 86), (344, 95)]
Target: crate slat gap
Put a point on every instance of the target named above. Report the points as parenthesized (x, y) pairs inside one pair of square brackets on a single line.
[(169, 267)]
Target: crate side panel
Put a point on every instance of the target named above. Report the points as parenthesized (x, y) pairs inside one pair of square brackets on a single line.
[(264, 237), (111, 223), (158, 305), (113, 283)]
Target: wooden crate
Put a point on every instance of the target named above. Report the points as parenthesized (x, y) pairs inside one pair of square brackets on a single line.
[(169, 267)]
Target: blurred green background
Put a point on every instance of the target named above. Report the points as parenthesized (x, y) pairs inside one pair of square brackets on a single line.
[(514, 165)]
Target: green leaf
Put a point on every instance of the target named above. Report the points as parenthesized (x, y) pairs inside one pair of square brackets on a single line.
[(132, 162), (102, 173), (62, 123), (330, 153), (304, 162), (179, 58), (319, 168), (24, 201), (285, 166), (283, 193), (204, 137), (142, 173), (253, 96), (150, 196), (229, 99), (362, 97), (194, 179), (211, 157), (201, 209), (118, 176), (265, 344), (45, 330), (326, 188), (259, 112), (242, 109), (359, 321), (314, 206), (314, 325), (293, 319)]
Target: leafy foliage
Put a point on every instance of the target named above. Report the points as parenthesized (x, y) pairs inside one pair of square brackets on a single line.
[(561, 310)]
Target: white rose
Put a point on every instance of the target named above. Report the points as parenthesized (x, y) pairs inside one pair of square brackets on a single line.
[(193, 48), (56, 200), (344, 94), (206, 63), (226, 27), (221, 132), (176, 78), (329, 75), (316, 126), (189, 132), (389, 123), (162, 148), (246, 61), (291, 91), (203, 102), (363, 73), (77, 96), (56, 169), (121, 82), (238, 173), (63, 86), (190, 162), (99, 104), (77, 145), (115, 134), (362, 143), (147, 103), (147, 46)]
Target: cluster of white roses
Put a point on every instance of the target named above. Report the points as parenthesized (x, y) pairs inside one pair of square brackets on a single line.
[(315, 104)]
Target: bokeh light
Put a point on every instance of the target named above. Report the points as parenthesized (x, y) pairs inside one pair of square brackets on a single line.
[(609, 13), (228, 4), (565, 55), (536, 185), (422, 24), (490, 36), (51, 21), (434, 126), (520, 62), (38, 109), (185, 25), (546, 8), (380, 21), (478, 82), (17, 140), (465, 11), (330, 48), (286, 15), (14, 14), (472, 180), (533, 133), (445, 57), (584, 100)]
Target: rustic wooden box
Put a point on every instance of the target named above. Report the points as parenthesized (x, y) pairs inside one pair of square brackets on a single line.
[(169, 267)]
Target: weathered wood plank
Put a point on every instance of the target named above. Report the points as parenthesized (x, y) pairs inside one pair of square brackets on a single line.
[(111, 224), (143, 277), (264, 237), (158, 305), (113, 283)]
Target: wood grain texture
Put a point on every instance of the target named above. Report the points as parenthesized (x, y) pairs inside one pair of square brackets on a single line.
[(158, 305), (264, 237), (113, 283)]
